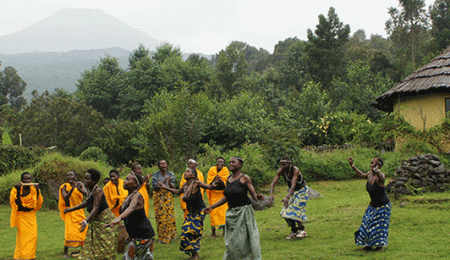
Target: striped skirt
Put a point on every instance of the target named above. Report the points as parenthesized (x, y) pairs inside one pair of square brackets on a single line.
[(297, 206), (192, 232), (374, 227)]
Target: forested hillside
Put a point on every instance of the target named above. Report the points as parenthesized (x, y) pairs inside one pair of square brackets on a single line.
[(306, 93)]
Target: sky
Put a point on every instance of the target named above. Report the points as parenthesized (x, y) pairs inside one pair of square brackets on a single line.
[(208, 26)]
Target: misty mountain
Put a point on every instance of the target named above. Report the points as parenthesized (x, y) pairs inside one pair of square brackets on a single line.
[(76, 29), (50, 70)]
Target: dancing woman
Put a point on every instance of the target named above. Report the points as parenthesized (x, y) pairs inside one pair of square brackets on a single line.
[(101, 242), (374, 228), (139, 228), (241, 231), (294, 203), (192, 229)]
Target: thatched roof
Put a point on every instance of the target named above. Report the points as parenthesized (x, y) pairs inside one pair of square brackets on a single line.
[(433, 77)]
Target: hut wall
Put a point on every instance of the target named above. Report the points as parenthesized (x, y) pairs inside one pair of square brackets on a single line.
[(422, 112)]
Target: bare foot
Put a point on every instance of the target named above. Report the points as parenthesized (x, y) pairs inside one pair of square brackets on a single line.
[(66, 256)]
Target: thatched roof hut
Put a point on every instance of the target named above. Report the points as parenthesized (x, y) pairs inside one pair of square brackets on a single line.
[(431, 78)]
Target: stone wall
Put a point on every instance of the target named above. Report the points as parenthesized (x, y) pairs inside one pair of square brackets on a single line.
[(420, 174)]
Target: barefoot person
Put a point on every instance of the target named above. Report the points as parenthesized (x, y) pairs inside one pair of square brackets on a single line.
[(139, 228), (71, 194), (163, 204), (101, 242), (294, 203), (241, 231), (217, 215), (374, 228), (25, 200), (192, 229)]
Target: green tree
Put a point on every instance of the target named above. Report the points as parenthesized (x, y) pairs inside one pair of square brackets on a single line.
[(173, 126), (57, 120), (325, 52), (120, 140), (408, 30), (440, 23), (231, 66), (358, 90), (12, 87), (137, 55), (100, 87)]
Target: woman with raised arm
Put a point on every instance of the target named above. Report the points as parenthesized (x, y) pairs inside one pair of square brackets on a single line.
[(163, 204), (241, 231), (374, 228), (132, 212), (101, 242), (71, 194), (192, 229), (25, 200)]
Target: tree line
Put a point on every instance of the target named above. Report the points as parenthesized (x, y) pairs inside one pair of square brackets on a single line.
[(305, 93)]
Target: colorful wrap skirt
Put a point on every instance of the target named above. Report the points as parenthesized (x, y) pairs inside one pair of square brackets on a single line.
[(138, 249), (164, 215), (101, 242), (374, 227), (192, 232), (297, 206), (241, 234)]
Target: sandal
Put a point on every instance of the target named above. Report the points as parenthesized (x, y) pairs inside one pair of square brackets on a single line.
[(291, 236), (301, 234)]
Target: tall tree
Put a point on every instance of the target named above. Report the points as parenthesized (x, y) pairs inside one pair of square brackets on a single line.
[(12, 87), (408, 30), (440, 23), (57, 120), (325, 51), (230, 67), (100, 87)]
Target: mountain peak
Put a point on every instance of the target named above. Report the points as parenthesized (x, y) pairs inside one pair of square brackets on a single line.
[(76, 29)]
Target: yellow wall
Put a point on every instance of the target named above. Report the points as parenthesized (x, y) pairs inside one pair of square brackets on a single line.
[(422, 112)]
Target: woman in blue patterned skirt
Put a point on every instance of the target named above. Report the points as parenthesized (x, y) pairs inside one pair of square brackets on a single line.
[(373, 232), (192, 229)]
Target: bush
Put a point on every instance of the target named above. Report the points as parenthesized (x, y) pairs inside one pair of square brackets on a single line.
[(94, 154), (256, 165), (17, 157), (52, 169)]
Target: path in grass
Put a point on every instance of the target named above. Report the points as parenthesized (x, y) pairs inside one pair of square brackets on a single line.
[(419, 228)]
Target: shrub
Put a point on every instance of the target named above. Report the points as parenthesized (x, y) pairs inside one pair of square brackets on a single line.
[(52, 169), (94, 154), (17, 157), (256, 165)]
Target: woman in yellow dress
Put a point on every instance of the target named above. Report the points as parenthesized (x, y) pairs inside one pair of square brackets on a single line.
[(71, 194), (217, 215), (25, 200), (115, 194)]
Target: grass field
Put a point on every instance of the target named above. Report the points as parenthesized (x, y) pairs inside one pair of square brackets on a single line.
[(419, 228)]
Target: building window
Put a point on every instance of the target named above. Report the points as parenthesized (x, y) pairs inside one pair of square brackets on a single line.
[(447, 107)]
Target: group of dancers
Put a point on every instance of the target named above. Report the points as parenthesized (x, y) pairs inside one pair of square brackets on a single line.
[(229, 207)]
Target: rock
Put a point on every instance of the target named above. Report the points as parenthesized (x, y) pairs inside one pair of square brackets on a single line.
[(313, 194)]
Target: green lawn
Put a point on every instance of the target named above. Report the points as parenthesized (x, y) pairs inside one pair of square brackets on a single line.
[(419, 228)]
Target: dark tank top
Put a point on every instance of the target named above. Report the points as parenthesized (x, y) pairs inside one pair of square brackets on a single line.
[(194, 203), (300, 181), (101, 208), (137, 224), (236, 193), (378, 196)]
